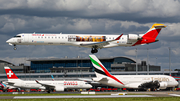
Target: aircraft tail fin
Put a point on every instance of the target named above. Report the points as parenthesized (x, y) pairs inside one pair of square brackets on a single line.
[(101, 72), (10, 74), (154, 31), (150, 35)]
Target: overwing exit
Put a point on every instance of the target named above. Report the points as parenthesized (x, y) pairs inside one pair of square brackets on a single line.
[(92, 41)]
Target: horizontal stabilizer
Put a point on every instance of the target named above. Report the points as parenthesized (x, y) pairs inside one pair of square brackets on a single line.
[(100, 79)]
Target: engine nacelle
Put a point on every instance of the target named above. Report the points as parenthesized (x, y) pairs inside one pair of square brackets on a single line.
[(163, 85), (59, 88), (133, 37), (42, 88)]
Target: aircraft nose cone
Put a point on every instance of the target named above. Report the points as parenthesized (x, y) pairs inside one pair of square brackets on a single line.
[(9, 41), (177, 83)]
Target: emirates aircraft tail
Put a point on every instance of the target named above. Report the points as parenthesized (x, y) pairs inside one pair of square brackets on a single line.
[(151, 35), (101, 72), (10, 74)]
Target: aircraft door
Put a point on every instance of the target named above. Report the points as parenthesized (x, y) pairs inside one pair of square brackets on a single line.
[(25, 38)]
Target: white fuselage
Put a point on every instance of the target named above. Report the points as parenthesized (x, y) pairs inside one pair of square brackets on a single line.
[(69, 39), (133, 81), (63, 84)]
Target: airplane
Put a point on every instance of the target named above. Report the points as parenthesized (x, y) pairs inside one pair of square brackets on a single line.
[(3, 87), (141, 82), (92, 41), (49, 86)]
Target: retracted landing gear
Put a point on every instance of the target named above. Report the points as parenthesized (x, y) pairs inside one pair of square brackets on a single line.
[(15, 47), (94, 50)]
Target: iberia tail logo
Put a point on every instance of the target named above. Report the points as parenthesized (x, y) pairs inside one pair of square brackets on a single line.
[(10, 74), (105, 71)]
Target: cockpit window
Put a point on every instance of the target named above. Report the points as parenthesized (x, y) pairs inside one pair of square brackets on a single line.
[(17, 36)]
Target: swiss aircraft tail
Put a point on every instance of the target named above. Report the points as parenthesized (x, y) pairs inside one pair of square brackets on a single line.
[(10, 74)]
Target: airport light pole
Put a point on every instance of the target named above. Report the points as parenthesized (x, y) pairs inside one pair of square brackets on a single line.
[(136, 63), (169, 61), (147, 62), (156, 61)]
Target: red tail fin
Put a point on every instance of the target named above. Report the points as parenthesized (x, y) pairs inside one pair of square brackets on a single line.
[(154, 31), (151, 34), (10, 74)]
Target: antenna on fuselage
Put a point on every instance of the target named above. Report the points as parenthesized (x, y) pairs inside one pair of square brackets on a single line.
[(34, 33), (61, 33)]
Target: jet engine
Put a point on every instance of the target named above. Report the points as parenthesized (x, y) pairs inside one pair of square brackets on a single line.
[(59, 88), (163, 85), (132, 37), (153, 84)]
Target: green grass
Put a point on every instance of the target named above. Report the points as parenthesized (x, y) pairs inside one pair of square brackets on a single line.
[(102, 99)]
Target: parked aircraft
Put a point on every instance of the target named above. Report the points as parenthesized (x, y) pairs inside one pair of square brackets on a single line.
[(130, 81), (3, 87), (13, 80), (92, 41)]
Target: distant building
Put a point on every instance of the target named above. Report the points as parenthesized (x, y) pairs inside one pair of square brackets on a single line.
[(116, 64), (17, 69)]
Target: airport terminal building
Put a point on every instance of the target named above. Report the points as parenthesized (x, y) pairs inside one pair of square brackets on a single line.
[(74, 68)]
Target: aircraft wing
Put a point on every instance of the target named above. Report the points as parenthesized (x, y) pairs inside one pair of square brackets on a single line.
[(45, 85), (100, 79), (99, 44), (90, 81)]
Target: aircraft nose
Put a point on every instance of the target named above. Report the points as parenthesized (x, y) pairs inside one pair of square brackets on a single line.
[(90, 86), (177, 83), (9, 41)]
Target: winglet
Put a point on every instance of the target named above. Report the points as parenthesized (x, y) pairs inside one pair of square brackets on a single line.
[(118, 37)]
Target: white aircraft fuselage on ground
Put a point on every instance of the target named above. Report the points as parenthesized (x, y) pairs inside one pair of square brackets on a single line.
[(130, 81), (13, 80), (87, 40)]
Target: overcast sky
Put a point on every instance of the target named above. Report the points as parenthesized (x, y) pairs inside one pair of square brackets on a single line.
[(91, 16)]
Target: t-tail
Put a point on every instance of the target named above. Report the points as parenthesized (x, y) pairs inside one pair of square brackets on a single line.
[(151, 35), (10, 74)]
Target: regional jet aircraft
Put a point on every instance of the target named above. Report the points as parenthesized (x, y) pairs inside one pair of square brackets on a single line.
[(13, 80), (92, 41), (130, 81)]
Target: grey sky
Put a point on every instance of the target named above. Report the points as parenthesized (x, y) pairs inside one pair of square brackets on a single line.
[(91, 16)]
